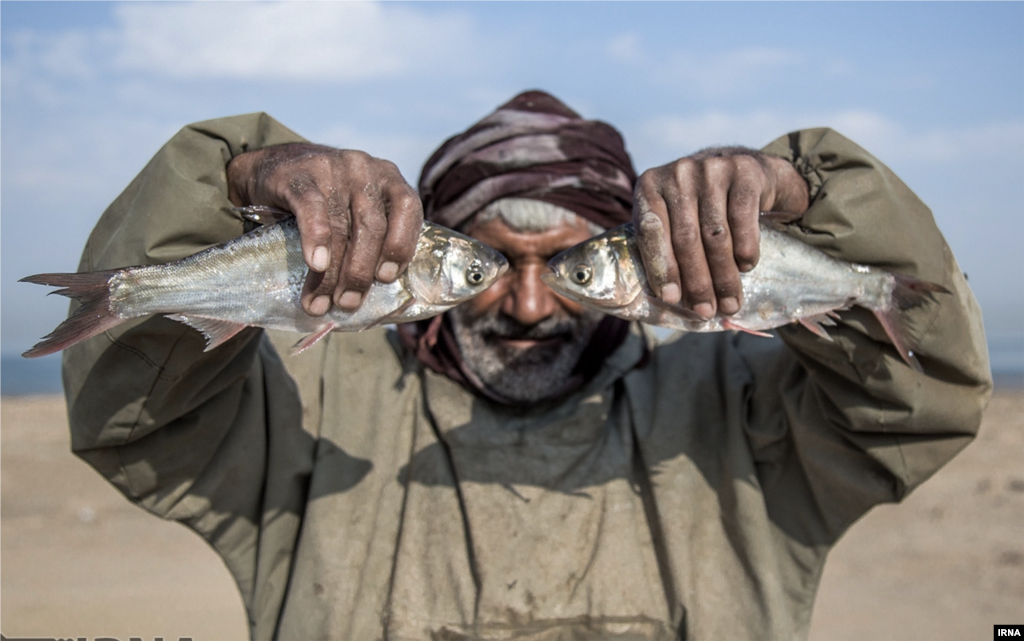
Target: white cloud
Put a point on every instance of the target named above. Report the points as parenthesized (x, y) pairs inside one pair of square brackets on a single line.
[(321, 41), (45, 68), (625, 47), (727, 72), (668, 137)]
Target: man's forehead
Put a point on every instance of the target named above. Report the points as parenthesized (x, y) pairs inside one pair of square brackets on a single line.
[(515, 243)]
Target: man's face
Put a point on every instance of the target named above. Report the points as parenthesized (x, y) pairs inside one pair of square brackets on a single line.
[(519, 336)]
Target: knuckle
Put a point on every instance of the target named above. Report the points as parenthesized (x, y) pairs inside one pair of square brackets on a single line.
[(648, 182), (684, 170), (684, 236), (751, 167), (356, 160), (746, 253), (716, 166), (727, 287), (744, 196), (407, 203), (371, 224), (358, 278), (699, 289), (387, 167), (714, 233), (316, 230)]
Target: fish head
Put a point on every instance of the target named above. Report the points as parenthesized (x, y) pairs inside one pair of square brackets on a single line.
[(450, 268), (603, 273)]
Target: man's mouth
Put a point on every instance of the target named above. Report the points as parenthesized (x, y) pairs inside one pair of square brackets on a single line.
[(528, 343), (525, 343)]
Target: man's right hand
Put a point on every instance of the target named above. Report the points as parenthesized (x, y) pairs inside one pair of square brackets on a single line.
[(358, 218)]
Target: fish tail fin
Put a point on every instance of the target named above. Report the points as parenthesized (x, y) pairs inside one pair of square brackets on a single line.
[(907, 293), (92, 290)]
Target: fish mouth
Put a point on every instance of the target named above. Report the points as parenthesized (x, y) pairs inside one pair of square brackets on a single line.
[(555, 283)]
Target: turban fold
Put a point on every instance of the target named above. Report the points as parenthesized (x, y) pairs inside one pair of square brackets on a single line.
[(533, 147)]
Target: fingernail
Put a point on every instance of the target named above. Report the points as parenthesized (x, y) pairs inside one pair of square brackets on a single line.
[(728, 305), (705, 310), (320, 305), (350, 300), (321, 259), (670, 293), (387, 271)]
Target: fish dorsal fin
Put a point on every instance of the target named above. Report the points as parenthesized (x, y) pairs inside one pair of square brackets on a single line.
[(263, 214), (215, 330), (311, 339)]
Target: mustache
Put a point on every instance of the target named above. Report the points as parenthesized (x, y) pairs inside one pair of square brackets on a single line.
[(500, 325)]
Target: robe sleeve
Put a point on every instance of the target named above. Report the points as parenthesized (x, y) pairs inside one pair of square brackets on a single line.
[(214, 439), (844, 425)]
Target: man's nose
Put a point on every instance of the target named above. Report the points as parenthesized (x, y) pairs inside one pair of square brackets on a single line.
[(529, 300)]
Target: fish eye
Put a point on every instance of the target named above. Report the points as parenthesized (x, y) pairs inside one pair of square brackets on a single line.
[(475, 273), (581, 274)]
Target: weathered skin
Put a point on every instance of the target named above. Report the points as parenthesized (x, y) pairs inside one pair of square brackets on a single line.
[(257, 280), (793, 282)]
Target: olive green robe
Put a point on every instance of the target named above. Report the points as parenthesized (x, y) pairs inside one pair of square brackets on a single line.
[(694, 494)]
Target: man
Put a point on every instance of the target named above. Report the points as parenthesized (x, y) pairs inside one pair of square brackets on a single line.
[(522, 468)]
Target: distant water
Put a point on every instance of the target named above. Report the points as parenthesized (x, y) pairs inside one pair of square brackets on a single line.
[(23, 376)]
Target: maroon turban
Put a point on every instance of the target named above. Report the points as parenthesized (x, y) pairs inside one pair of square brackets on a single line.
[(534, 147)]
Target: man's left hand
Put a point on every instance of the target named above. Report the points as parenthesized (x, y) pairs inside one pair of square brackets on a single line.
[(696, 221)]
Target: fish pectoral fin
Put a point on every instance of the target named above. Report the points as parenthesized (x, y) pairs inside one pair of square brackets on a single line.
[(815, 322), (215, 330), (728, 324), (311, 339), (263, 214), (393, 315)]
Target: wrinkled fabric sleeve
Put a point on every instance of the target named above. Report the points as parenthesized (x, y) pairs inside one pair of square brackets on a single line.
[(844, 425), (211, 439)]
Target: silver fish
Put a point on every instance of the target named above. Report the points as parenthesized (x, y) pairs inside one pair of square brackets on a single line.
[(793, 282), (257, 279)]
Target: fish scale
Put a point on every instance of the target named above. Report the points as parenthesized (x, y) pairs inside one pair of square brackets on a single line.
[(257, 280), (792, 282)]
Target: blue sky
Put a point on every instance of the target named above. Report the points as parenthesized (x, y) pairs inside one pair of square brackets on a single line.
[(89, 91)]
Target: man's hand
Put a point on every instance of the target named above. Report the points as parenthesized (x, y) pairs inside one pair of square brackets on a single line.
[(357, 216), (696, 222)]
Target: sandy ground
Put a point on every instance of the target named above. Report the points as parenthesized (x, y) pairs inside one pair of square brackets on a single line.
[(78, 560)]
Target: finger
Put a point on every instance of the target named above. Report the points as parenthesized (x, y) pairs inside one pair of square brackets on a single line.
[(715, 234), (314, 302), (405, 219), (319, 288), (687, 243), (362, 254), (651, 225), (312, 215), (744, 212)]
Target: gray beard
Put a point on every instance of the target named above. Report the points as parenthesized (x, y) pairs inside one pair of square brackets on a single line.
[(522, 375)]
